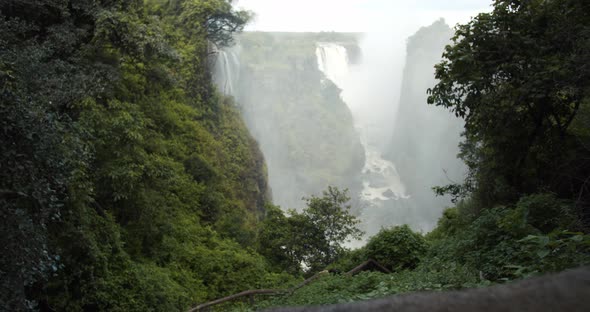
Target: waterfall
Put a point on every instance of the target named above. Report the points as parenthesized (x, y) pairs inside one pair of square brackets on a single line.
[(333, 62), (382, 186), (226, 71)]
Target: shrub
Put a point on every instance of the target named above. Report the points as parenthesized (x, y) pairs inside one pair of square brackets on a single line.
[(546, 212), (396, 248), (349, 260)]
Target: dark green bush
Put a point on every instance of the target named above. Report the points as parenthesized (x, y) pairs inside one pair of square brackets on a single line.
[(507, 242), (546, 212), (349, 260), (396, 248)]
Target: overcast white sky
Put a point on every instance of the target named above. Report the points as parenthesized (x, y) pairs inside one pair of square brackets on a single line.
[(357, 15)]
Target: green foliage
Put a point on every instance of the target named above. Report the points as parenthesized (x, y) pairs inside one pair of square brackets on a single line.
[(332, 225), (37, 150), (332, 289), (511, 241), (348, 260), (278, 241), (127, 184), (339, 289), (516, 76), (313, 237), (216, 20), (546, 212), (469, 248), (446, 225), (396, 248), (33, 178), (554, 252)]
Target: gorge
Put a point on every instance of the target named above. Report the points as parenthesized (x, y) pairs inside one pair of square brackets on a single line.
[(163, 155), (316, 104)]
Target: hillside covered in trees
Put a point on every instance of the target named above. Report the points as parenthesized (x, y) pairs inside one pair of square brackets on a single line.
[(129, 183)]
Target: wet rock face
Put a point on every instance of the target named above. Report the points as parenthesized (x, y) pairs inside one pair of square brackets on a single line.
[(425, 138)]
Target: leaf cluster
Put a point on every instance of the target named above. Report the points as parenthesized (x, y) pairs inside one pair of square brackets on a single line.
[(314, 237), (516, 76)]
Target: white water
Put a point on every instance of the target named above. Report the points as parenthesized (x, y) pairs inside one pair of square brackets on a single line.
[(381, 182), (333, 62), (226, 71), (371, 90)]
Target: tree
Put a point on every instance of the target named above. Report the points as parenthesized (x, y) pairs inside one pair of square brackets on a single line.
[(217, 20), (396, 248), (332, 225), (519, 77), (276, 241), (39, 149), (313, 237), (110, 135)]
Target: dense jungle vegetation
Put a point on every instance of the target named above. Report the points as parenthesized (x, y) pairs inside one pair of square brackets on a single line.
[(127, 183)]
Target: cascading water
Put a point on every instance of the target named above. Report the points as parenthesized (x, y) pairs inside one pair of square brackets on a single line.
[(382, 185), (398, 127), (303, 128), (333, 61), (304, 123), (226, 71), (382, 181)]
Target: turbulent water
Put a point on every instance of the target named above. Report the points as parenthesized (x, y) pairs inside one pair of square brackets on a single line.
[(409, 146), (380, 178), (383, 197)]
